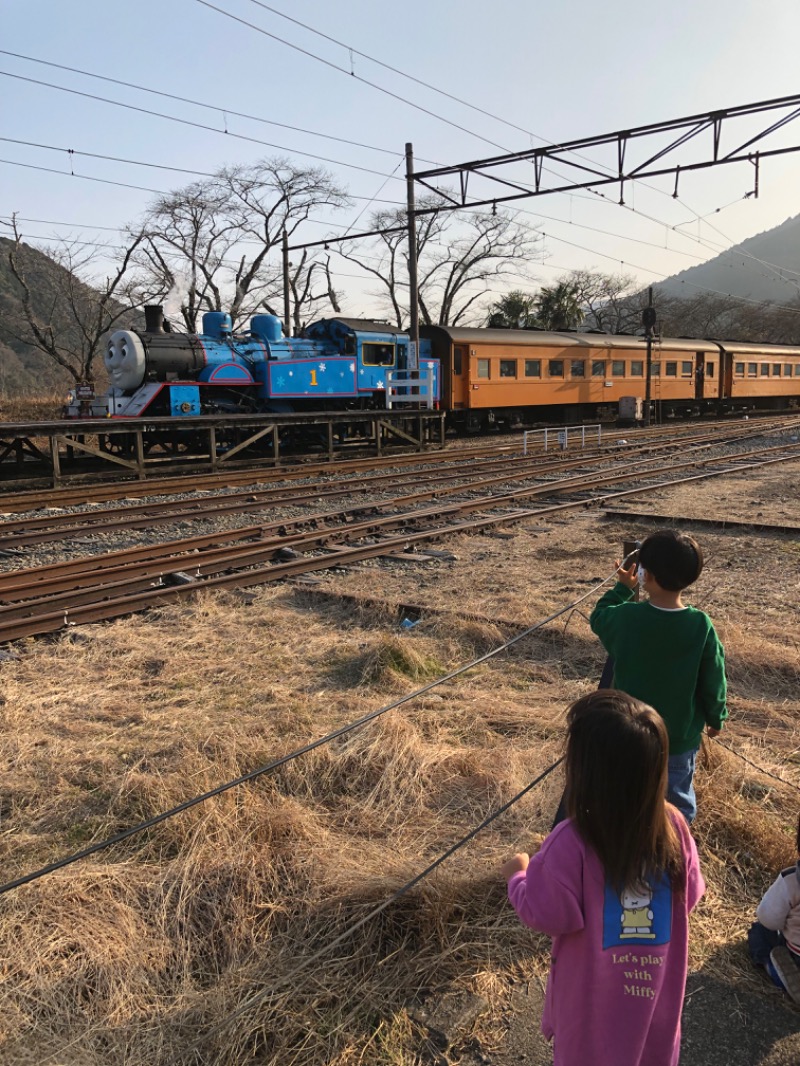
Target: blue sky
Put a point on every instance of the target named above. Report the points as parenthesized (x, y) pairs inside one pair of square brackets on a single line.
[(557, 70)]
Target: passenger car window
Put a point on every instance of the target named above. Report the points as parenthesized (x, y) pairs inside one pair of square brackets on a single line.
[(739, 368), (508, 368), (686, 368), (765, 370), (671, 370), (577, 368), (637, 368), (655, 370), (776, 370), (483, 368), (752, 370), (598, 368), (618, 368), (556, 368), (533, 368)]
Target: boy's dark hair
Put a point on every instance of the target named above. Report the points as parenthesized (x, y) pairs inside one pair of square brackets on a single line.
[(616, 766), (674, 559)]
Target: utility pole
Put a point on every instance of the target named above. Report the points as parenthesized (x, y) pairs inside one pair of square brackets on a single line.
[(287, 309), (413, 355), (648, 321)]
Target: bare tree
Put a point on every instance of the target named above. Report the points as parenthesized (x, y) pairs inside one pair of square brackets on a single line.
[(65, 307), (610, 302), (210, 242), (459, 261)]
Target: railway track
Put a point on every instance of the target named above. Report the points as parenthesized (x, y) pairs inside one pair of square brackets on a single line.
[(19, 532), (94, 492), (45, 599)]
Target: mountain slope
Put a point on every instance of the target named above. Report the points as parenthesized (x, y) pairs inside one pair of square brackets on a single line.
[(739, 273)]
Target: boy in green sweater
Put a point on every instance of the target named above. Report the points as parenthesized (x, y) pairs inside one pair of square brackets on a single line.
[(667, 654)]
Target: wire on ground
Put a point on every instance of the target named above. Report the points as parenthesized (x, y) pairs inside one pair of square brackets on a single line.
[(101, 845)]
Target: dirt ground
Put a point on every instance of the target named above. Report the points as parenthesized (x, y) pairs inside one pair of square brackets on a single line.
[(128, 956)]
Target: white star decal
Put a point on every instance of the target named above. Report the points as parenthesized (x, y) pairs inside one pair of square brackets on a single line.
[(361, 371), (322, 366), (379, 385), (352, 367), (291, 373), (430, 366)]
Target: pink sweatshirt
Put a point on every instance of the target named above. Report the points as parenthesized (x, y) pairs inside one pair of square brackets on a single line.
[(618, 969)]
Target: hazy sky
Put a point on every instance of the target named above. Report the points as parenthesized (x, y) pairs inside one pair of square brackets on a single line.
[(556, 70)]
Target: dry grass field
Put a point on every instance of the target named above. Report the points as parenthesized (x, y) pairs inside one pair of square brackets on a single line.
[(208, 938), (32, 408)]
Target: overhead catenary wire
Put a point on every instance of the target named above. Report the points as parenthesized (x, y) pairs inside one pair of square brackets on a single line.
[(349, 73), (217, 108), (779, 270), (465, 103), (775, 267), (196, 125), (72, 173)]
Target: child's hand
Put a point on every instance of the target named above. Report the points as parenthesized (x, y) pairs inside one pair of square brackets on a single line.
[(712, 732), (515, 865), (627, 577)]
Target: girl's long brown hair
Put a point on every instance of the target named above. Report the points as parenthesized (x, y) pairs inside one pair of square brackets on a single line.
[(616, 768)]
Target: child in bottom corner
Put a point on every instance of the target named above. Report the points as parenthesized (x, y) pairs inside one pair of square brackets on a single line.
[(613, 886), (774, 939), (667, 653)]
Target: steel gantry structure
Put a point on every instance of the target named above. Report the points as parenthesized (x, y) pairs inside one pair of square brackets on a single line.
[(587, 174)]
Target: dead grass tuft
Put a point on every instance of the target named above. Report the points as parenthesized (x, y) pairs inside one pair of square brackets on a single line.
[(393, 660)]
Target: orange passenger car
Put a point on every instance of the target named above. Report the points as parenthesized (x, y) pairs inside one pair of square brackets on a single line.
[(521, 377)]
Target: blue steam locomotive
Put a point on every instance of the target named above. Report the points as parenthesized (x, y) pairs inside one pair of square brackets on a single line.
[(338, 364)]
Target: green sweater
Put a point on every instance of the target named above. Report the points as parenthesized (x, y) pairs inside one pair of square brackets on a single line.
[(672, 660)]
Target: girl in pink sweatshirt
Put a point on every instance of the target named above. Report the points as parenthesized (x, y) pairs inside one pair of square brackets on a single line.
[(613, 886)]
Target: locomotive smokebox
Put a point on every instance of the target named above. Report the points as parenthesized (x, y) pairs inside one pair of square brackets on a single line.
[(154, 318)]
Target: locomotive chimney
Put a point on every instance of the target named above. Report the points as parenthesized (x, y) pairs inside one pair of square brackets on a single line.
[(154, 318)]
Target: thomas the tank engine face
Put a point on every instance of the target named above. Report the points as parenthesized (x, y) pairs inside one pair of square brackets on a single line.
[(125, 360)]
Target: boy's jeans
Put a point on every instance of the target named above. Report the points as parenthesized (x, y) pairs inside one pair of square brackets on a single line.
[(680, 783)]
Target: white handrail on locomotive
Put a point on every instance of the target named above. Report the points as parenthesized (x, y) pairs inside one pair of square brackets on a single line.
[(410, 386), (561, 435)]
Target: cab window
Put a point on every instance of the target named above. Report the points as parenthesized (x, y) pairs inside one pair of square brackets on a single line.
[(533, 368), (556, 368), (508, 368), (373, 354)]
